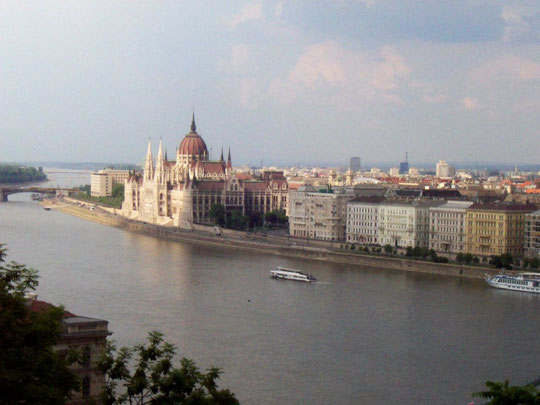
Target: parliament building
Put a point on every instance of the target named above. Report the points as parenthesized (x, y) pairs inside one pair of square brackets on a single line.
[(180, 193)]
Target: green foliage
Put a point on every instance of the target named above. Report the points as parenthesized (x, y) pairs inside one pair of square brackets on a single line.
[(113, 202), (236, 220), (276, 218), (417, 252), (255, 219), (217, 213), (502, 393), (30, 370), (153, 378), (503, 261), (118, 191), (532, 263), (464, 258), (388, 249), (20, 174)]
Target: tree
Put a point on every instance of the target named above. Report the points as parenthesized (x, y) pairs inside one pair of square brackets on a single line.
[(255, 219), (154, 379), (501, 393), (237, 220), (118, 191), (388, 249), (217, 213), (31, 371)]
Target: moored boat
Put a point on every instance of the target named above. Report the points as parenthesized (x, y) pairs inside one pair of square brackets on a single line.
[(291, 274), (524, 282)]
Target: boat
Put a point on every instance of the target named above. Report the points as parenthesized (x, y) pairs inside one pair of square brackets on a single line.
[(525, 282), (47, 208), (291, 274)]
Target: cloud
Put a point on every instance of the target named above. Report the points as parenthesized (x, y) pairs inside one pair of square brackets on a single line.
[(329, 66), (240, 56), (470, 103), (515, 25), (278, 9), (252, 11), (507, 67)]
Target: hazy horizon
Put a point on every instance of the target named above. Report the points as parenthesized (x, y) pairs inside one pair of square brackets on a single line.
[(278, 81)]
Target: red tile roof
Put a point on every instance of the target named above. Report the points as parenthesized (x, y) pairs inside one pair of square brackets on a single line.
[(39, 306)]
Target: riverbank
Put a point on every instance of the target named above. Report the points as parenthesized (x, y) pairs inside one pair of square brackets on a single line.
[(276, 246)]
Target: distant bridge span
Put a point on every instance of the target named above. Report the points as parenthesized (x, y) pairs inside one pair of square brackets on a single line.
[(8, 190)]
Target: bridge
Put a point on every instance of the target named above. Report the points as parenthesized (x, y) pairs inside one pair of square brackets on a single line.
[(8, 190)]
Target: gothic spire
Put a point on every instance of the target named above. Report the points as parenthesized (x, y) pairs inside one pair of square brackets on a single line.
[(149, 164), (229, 164), (193, 126), (221, 158)]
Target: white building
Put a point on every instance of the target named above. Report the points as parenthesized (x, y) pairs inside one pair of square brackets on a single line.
[(394, 172), (405, 223), (363, 220), (448, 223), (318, 215), (100, 184), (443, 169)]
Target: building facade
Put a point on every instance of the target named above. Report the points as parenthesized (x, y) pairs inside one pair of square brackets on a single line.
[(443, 169), (318, 215), (182, 192), (100, 184), (88, 336), (532, 234), (496, 228), (363, 220), (404, 223), (448, 227)]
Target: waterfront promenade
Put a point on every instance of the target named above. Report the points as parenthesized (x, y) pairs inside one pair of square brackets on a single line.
[(265, 244)]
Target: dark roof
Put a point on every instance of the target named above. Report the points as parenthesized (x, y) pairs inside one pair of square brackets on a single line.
[(409, 193), (503, 207), (434, 193), (369, 200), (370, 192)]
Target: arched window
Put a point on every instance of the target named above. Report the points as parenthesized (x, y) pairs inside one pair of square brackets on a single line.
[(86, 357), (86, 387)]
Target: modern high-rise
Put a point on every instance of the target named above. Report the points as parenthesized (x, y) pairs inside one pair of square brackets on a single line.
[(404, 166), (355, 165), (443, 169)]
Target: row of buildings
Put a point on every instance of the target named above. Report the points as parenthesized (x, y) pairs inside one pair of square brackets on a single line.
[(402, 218)]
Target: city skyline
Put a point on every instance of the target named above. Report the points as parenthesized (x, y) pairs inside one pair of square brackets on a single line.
[(281, 82)]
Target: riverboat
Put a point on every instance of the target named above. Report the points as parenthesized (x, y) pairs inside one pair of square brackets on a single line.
[(524, 282), (290, 274)]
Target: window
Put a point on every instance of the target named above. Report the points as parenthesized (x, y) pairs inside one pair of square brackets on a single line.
[(86, 387), (86, 357)]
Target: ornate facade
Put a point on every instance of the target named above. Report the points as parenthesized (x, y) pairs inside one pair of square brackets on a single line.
[(181, 192)]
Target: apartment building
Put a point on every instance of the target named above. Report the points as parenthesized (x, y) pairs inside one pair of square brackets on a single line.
[(363, 220), (532, 234), (404, 223), (497, 228), (318, 214), (448, 227)]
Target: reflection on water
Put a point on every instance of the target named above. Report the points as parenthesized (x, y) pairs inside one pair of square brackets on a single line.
[(357, 336)]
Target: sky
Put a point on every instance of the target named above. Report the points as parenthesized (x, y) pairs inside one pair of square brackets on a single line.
[(285, 82)]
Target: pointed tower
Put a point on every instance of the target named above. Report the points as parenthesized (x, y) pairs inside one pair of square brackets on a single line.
[(149, 164), (229, 164), (221, 158), (160, 166)]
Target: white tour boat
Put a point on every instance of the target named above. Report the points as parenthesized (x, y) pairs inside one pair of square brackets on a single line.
[(290, 274), (526, 282)]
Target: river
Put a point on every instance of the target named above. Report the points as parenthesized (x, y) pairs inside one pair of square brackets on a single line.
[(358, 336)]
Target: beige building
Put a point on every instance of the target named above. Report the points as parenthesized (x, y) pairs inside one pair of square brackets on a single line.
[(117, 176), (318, 215), (182, 192), (448, 227), (532, 234), (497, 228), (443, 169), (100, 184)]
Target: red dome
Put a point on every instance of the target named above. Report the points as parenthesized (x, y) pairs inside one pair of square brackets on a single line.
[(193, 144)]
